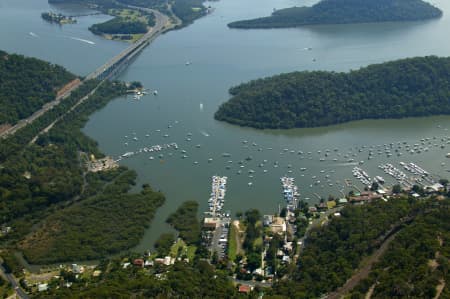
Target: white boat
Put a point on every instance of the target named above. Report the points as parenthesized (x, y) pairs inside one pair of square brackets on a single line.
[(155, 92), (128, 154)]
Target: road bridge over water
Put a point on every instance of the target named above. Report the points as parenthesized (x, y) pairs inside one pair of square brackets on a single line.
[(108, 70), (116, 64)]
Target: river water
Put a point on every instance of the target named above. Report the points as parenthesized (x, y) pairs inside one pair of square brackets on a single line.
[(188, 96)]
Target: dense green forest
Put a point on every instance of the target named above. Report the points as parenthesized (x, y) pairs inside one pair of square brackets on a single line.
[(403, 88), (345, 12), (119, 25), (95, 227), (181, 280), (36, 177), (26, 84), (185, 221), (333, 251), (188, 10), (45, 187), (5, 288), (125, 22), (417, 261)]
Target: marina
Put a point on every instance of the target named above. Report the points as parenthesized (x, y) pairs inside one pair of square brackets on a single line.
[(216, 222), (217, 199), (290, 193), (181, 89)]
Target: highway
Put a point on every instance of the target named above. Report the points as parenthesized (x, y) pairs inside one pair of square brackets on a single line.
[(161, 21), (23, 122)]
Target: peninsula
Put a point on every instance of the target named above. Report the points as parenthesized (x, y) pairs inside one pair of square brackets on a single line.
[(344, 12), (403, 88)]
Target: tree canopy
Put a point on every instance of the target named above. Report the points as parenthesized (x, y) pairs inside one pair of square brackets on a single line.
[(404, 88), (185, 221), (26, 84), (345, 12)]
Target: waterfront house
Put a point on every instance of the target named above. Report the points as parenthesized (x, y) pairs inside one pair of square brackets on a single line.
[(278, 225)]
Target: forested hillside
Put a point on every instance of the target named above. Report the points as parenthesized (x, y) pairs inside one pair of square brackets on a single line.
[(333, 252), (26, 84), (345, 12), (45, 187), (416, 265), (403, 88)]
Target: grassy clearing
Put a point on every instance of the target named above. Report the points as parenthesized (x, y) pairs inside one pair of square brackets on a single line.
[(232, 245), (191, 252), (180, 249)]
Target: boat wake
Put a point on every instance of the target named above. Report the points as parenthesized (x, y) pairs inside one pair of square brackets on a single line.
[(82, 40), (204, 133), (33, 34), (347, 164)]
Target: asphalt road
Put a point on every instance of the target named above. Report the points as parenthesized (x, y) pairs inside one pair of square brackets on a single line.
[(161, 24), (12, 280)]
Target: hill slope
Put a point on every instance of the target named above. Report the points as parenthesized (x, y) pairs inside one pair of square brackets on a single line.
[(345, 12), (403, 88), (26, 84)]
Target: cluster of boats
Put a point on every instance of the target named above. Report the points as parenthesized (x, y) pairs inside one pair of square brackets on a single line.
[(217, 199), (290, 192), (151, 149), (394, 172), (414, 168), (362, 176), (140, 93)]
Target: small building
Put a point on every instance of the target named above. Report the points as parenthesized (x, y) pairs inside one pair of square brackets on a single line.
[(312, 209), (267, 220), (210, 223), (288, 246), (286, 259), (331, 204), (42, 287), (96, 273), (322, 206), (139, 263), (245, 289), (169, 261), (148, 263), (342, 201), (337, 214), (381, 192), (434, 188), (278, 225), (76, 269)]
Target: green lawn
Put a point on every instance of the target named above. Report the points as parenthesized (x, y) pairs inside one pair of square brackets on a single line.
[(180, 248), (232, 246)]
